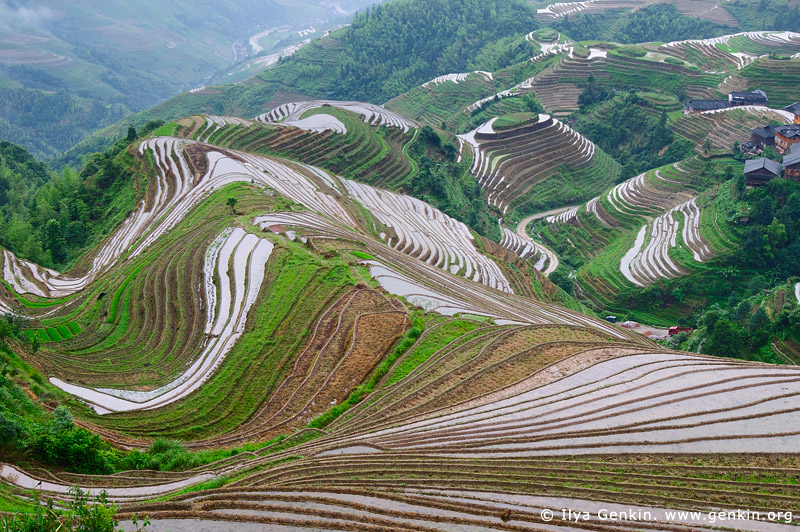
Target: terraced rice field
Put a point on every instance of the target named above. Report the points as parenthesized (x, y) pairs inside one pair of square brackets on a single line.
[(775, 77), (476, 426), (648, 194), (563, 9), (719, 54), (515, 166), (725, 127), (706, 9), (457, 78), (372, 114), (653, 226), (443, 100), (649, 260), (331, 137), (411, 375), (193, 382), (559, 87), (499, 429), (526, 249), (421, 231), (625, 404), (762, 43), (239, 286)]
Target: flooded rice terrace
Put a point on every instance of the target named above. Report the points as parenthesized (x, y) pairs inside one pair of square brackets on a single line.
[(203, 525)]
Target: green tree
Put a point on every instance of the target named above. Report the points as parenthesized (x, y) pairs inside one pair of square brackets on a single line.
[(741, 185), (789, 214), (742, 312), (62, 419), (231, 202), (131, 134), (10, 429), (36, 344), (533, 105), (762, 212), (758, 320), (54, 240), (428, 136), (776, 232), (62, 443), (561, 279), (726, 339)]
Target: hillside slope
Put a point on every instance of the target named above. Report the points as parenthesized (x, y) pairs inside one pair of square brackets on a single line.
[(310, 301)]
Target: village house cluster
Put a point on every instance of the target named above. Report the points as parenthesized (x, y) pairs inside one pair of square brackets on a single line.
[(786, 140), (735, 99)]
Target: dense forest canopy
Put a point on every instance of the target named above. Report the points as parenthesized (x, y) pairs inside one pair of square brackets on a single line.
[(660, 22), (399, 45), (396, 46), (53, 218)]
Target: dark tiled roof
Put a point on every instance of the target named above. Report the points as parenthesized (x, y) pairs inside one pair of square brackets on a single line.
[(754, 95), (790, 132), (792, 159), (708, 104), (757, 164), (765, 132), (794, 108)]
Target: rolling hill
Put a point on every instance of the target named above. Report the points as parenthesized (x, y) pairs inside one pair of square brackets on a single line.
[(284, 305), (410, 384)]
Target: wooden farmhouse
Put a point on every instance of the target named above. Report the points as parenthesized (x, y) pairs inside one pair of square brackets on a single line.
[(757, 97), (700, 106), (786, 137), (782, 137), (759, 172), (791, 164), (763, 136)]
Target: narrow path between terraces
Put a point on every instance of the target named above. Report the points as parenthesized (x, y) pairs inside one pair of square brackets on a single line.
[(553, 264)]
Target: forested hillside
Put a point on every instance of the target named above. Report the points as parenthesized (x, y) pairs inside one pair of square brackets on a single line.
[(660, 22), (48, 122), (53, 218), (624, 129), (396, 46)]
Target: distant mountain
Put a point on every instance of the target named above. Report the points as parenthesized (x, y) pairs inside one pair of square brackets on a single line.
[(70, 67)]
